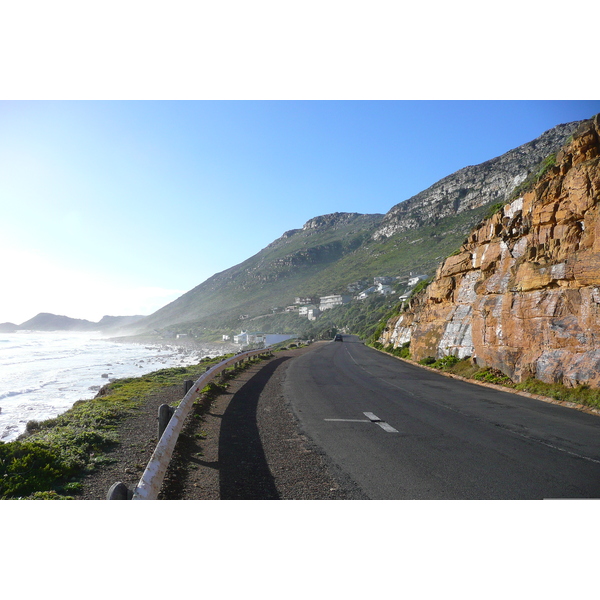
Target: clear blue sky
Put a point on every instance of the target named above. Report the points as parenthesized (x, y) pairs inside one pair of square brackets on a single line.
[(120, 207)]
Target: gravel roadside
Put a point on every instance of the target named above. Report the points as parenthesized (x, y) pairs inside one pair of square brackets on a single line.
[(244, 444)]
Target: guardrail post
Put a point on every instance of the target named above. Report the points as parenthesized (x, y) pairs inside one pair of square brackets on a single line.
[(165, 412), (119, 491), (187, 386), (170, 424)]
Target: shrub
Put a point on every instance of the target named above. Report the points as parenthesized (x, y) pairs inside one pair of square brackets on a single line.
[(27, 467), (403, 351), (427, 361), (446, 362), (49, 495), (490, 375)]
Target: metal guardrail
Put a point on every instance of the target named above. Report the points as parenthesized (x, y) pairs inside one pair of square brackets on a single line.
[(151, 481)]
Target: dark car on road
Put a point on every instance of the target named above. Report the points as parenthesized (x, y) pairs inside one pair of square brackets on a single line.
[(338, 338)]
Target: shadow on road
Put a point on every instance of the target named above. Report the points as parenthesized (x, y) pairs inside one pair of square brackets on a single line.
[(244, 473)]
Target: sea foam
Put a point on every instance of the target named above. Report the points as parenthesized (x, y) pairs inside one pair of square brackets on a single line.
[(43, 374)]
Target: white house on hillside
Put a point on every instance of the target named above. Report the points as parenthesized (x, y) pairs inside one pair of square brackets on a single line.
[(367, 292), (303, 310), (246, 339), (313, 313), (327, 302), (384, 289)]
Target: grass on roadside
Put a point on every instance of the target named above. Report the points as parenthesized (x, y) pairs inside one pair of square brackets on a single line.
[(581, 394)]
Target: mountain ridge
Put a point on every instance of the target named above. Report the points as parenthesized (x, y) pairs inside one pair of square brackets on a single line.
[(51, 322), (494, 180), (330, 251)]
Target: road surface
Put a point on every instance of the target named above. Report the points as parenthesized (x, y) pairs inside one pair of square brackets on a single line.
[(402, 432)]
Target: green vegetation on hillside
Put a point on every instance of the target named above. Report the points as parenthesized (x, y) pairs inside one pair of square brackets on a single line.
[(313, 263)]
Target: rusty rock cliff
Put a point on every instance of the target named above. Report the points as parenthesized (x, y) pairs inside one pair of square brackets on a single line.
[(523, 293)]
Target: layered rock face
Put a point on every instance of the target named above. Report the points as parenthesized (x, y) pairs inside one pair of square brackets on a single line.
[(471, 187), (523, 293)]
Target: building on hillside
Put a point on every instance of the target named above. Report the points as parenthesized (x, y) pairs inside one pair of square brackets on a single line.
[(299, 300), (327, 302), (383, 280), (414, 279), (293, 308), (245, 338), (303, 310), (225, 338), (380, 288), (367, 292), (355, 287), (313, 313), (384, 289)]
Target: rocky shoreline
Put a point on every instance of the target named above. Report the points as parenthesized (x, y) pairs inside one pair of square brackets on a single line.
[(212, 348)]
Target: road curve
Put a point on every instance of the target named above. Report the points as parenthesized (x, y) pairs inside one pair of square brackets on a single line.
[(402, 432)]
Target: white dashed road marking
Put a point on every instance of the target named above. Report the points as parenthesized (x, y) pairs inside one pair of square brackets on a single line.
[(371, 418), (386, 427)]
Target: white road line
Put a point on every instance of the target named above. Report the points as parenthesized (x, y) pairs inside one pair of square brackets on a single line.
[(372, 417), (375, 419), (531, 439), (350, 420), (387, 427)]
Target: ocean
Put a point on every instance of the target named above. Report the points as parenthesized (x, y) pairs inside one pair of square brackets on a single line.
[(43, 374)]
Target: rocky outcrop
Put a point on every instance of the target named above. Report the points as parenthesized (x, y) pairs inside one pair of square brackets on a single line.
[(474, 186), (523, 293), (338, 219)]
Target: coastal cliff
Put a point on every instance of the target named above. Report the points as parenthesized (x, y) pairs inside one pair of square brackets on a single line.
[(522, 295)]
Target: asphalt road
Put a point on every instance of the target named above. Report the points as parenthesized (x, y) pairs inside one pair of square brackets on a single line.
[(402, 432)]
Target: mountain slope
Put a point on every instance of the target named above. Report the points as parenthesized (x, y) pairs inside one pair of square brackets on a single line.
[(289, 266), (332, 251)]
